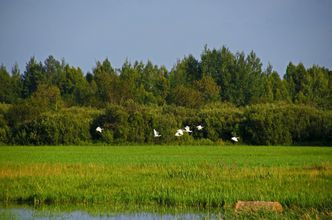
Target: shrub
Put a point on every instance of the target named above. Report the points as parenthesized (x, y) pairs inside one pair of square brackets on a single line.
[(221, 122), (261, 124), (272, 124), (107, 136), (115, 119), (55, 128), (4, 108), (4, 130), (266, 125)]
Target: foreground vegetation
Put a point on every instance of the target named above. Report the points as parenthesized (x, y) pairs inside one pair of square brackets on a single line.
[(205, 177)]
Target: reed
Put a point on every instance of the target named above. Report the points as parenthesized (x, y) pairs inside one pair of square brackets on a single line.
[(171, 176)]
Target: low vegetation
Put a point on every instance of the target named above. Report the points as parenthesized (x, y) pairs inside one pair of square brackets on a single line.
[(205, 177), (261, 124)]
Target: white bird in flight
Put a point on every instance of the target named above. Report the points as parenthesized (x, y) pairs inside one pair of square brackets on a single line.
[(235, 139), (199, 127), (156, 133), (187, 129), (179, 133), (99, 129)]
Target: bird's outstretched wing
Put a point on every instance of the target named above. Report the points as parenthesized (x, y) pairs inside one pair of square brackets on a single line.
[(156, 134)]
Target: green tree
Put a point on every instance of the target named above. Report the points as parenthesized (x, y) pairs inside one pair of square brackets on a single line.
[(32, 77), (185, 96), (74, 87), (53, 70), (130, 87), (319, 90), (47, 97), (274, 89), (185, 72), (107, 82), (253, 82), (10, 85), (279, 89), (208, 88), (5, 86), (152, 82), (16, 83), (298, 81), (162, 85), (220, 65), (328, 100)]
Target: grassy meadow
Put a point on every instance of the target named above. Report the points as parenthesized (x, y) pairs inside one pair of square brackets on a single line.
[(203, 177)]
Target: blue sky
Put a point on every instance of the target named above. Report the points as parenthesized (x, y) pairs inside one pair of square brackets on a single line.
[(85, 31)]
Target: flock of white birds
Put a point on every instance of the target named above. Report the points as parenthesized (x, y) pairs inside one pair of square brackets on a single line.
[(178, 133)]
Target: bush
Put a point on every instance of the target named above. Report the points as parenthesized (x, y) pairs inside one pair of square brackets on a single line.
[(310, 125), (54, 128), (4, 108), (107, 136), (4, 130), (266, 125), (272, 124), (221, 122), (262, 124), (115, 119)]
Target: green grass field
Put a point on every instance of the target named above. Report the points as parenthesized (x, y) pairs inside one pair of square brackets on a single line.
[(204, 177)]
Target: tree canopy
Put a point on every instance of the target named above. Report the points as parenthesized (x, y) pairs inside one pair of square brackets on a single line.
[(218, 76), (230, 93)]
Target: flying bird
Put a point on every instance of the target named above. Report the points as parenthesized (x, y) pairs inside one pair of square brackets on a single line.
[(99, 129), (179, 133), (199, 127), (156, 133), (235, 139), (187, 129)]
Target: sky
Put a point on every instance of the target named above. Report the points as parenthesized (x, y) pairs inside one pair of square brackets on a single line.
[(85, 31)]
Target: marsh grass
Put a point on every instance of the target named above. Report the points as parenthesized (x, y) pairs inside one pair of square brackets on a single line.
[(189, 177)]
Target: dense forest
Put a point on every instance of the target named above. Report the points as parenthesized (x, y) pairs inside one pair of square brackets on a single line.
[(229, 94)]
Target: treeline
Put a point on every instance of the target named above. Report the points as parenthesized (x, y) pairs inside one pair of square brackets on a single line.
[(229, 94), (219, 76)]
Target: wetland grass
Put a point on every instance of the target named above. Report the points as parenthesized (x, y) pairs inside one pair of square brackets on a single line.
[(300, 178)]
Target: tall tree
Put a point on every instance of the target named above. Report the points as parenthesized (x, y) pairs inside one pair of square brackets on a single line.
[(186, 72), (161, 86), (319, 90), (74, 87), (17, 84), (254, 85), (298, 82), (220, 65), (107, 83), (5, 86), (279, 89), (33, 77), (53, 69), (208, 88)]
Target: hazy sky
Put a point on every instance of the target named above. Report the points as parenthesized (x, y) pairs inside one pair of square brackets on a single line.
[(85, 31)]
